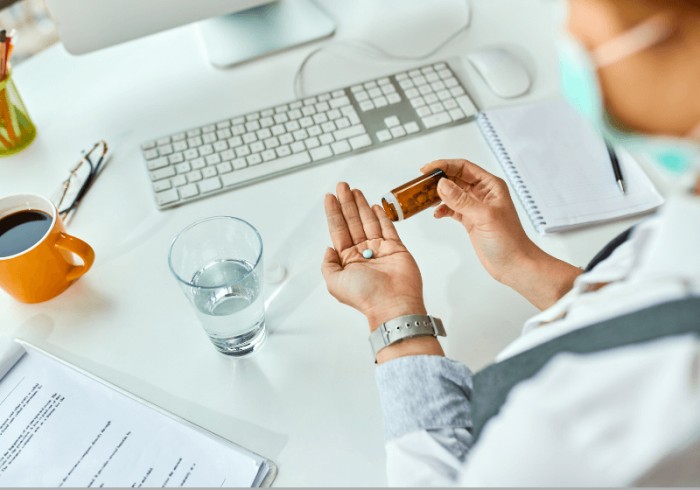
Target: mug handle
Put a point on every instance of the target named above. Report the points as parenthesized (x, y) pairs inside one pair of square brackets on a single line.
[(79, 248)]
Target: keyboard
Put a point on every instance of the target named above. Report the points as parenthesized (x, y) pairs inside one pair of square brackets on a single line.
[(231, 153)]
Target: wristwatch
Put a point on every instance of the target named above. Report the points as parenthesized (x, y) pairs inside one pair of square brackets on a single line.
[(405, 327)]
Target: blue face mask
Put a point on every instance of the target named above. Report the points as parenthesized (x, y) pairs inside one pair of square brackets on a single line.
[(579, 84)]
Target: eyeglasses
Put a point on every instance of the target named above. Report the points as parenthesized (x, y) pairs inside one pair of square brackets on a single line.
[(81, 178)]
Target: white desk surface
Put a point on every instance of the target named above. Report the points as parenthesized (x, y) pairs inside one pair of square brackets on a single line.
[(307, 400)]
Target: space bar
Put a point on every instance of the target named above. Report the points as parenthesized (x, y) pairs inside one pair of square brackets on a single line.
[(263, 169)]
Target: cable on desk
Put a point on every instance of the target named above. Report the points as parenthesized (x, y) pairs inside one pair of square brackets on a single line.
[(372, 48)]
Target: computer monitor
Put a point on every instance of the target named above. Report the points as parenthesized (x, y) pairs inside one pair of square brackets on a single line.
[(233, 31)]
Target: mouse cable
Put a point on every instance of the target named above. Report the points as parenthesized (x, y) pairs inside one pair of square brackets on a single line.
[(373, 49)]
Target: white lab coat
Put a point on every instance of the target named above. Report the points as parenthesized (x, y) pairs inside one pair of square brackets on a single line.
[(606, 419)]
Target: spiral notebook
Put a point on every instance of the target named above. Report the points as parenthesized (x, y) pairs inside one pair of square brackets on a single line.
[(560, 168)]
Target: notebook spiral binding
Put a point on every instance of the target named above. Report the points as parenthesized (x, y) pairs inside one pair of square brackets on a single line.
[(526, 199)]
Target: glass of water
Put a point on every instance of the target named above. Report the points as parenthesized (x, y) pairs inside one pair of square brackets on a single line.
[(219, 264)]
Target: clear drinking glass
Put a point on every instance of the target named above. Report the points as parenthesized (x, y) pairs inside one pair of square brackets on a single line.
[(219, 264)]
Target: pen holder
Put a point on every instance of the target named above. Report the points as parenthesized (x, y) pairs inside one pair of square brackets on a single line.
[(17, 130)]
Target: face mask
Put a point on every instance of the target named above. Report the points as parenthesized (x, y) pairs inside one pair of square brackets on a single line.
[(580, 86)]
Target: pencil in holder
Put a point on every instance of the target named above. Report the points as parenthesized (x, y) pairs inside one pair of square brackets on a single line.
[(17, 130)]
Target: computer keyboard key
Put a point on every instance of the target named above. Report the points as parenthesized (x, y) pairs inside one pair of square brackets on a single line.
[(268, 155), (183, 168), (326, 139), (456, 114), (298, 146), (417, 102), (257, 147), (367, 105), (321, 152), (178, 180), (450, 104), (383, 135), (166, 197), (198, 163), (194, 176), (157, 163), (148, 145), (411, 127), (191, 154), (239, 163), (242, 151), (283, 151), (393, 99), (315, 130), (214, 159), (189, 190), (162, 173), (150, 154), (339, 102), (224, 168), (254, 159), (436, 108), (205, 150), (161, 185), (194, 132), (223, 124), (423, 111), (349, 132), (209, 185), (380, 102), (457, 91), (209, 128), (209, 172), (360, 141), (165, 150), (180, 146), (340, 147), (209, 137), (163, 141), (444, 95), (398, 132), (312, 142), (391, 121), (467, 105), (436, 120), (431, 99)]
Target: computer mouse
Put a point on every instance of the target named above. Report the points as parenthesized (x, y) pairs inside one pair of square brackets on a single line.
[(501, 70)]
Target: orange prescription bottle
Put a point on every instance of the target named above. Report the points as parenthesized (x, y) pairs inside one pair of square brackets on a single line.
[(413, 197)]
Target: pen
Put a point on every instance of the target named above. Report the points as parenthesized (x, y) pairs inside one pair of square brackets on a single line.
[(616, 167)]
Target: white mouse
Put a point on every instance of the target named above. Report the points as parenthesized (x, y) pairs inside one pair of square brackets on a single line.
[(501, 71)]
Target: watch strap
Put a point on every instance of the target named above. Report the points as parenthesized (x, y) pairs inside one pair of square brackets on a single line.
[(405, 327)]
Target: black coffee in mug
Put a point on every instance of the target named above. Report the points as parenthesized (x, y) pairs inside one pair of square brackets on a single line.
[(20, 231)]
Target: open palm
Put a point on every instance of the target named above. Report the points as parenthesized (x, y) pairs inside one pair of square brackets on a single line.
[(383, 287)]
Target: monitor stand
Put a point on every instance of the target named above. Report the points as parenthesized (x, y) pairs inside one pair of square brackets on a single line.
[(243, 36)]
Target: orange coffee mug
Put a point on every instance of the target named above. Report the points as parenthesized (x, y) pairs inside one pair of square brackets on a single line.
[(36, 253)]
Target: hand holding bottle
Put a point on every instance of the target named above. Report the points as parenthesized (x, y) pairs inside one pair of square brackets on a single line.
[(481, 203)]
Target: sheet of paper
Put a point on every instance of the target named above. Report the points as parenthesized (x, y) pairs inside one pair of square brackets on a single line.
[(59, 427)]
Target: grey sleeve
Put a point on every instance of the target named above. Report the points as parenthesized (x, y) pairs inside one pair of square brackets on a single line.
[(429, 393)]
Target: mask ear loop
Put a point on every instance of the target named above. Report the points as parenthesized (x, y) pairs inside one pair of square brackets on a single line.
[(649, 33)]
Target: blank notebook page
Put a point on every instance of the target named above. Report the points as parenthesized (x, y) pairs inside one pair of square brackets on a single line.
[(560, 168)]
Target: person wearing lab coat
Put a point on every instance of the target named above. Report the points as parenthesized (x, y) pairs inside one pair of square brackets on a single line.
[(617, 412)]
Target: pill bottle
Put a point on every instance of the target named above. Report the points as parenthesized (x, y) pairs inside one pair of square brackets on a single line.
[(413, 197)]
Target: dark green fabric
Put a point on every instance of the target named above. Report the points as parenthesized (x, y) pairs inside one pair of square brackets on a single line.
[(492, 384)]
